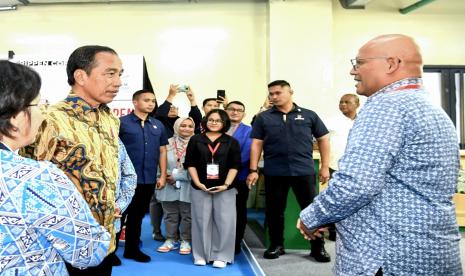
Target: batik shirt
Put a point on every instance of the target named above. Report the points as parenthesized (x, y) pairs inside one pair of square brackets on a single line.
[(83, 142), (392, 195), (44, 220)]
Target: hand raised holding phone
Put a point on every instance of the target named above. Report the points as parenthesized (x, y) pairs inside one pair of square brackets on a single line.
[(221, 98)]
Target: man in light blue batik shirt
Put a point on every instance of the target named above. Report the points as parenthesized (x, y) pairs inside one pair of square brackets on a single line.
[(391, 198)]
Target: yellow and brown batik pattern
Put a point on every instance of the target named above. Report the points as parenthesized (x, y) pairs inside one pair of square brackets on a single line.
[(83, 142)]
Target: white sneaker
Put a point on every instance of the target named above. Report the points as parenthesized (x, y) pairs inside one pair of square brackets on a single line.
[(167, 246), (185, 248), (200, 262), (219, 264)]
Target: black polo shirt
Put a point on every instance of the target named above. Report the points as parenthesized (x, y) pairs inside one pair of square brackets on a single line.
[(287, 140)]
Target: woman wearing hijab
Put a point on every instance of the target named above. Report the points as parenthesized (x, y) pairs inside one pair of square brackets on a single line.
[(213, 159), (44, 220), (175, 196)]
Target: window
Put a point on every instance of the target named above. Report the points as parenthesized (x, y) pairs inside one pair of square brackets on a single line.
[(445, 86)]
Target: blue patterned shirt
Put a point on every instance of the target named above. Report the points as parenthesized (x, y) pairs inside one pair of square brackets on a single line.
[(392, 195), (44, 220), (126, 184)]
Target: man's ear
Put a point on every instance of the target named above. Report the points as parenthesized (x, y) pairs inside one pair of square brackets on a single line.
[(291, 91), (80, 76), (394, 64)]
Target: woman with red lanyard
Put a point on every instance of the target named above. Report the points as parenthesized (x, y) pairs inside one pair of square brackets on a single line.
[(175, 196), (213, 159)]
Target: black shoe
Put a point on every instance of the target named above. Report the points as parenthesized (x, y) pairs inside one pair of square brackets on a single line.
[(137, 256), (114, 260), (237, 249), (158, 236), (273, 252), (332, 235), (320, 255)]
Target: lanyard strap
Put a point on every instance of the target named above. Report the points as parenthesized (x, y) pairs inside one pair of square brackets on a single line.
[(213, 150), (179, 154), (409, 86)]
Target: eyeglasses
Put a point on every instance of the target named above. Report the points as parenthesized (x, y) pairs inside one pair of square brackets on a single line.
[(41, 102), (356, 62), (211, 121), (235, 110)]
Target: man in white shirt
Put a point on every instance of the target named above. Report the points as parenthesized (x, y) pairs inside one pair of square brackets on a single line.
[(339, 127)]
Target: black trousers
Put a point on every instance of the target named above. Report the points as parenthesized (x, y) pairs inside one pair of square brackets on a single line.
[(103, 269), (241, 210), (135, 213), (332, 226), (276, 191)]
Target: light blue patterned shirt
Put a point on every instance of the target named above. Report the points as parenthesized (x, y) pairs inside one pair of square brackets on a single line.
[(44, 220), (126, 184), (392, 195)]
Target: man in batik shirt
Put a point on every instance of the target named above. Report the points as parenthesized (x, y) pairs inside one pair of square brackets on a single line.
[(391, 198), (80, 135)]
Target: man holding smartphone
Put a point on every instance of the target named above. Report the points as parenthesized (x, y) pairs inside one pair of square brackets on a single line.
[(167, 113)]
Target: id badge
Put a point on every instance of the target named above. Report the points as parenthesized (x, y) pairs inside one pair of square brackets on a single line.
[(213, 171), (174, 172)]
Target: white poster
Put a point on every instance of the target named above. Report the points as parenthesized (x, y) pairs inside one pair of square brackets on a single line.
[(52, 70)]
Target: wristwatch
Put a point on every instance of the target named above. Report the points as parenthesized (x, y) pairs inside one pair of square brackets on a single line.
[(253, 170)]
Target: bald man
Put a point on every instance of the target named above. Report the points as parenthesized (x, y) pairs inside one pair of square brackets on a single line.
[(391, 197), (339, 127)]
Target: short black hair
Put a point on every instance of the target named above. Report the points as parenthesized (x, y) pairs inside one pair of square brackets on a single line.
[(224, 117), (235, 102), (207, 100), (84, 58), (140, 92), (19, 86), (278, 82)]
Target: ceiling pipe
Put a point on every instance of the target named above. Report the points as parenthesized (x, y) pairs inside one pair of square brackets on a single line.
[(415, 6), (351, 4)]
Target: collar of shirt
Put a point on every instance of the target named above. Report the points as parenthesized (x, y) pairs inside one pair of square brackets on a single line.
[(5, 147), (223, 139), (395, 85), (80, 108), (134, 118), (295, 108)]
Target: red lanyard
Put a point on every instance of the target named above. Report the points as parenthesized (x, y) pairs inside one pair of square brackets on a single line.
[(213, 150), (409, 86), (179, 154)]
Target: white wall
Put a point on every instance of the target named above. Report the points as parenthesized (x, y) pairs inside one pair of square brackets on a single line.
[(237, 45), (300, 49), (440, 36), (207, 45)]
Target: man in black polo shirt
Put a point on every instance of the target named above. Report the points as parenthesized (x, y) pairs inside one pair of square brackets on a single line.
[(285, 133)]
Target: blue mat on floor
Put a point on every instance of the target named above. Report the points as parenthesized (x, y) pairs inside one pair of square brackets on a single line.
[(172, 263)]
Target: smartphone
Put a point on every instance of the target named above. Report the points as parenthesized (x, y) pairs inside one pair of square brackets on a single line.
[(220, 93), (183, 88)]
